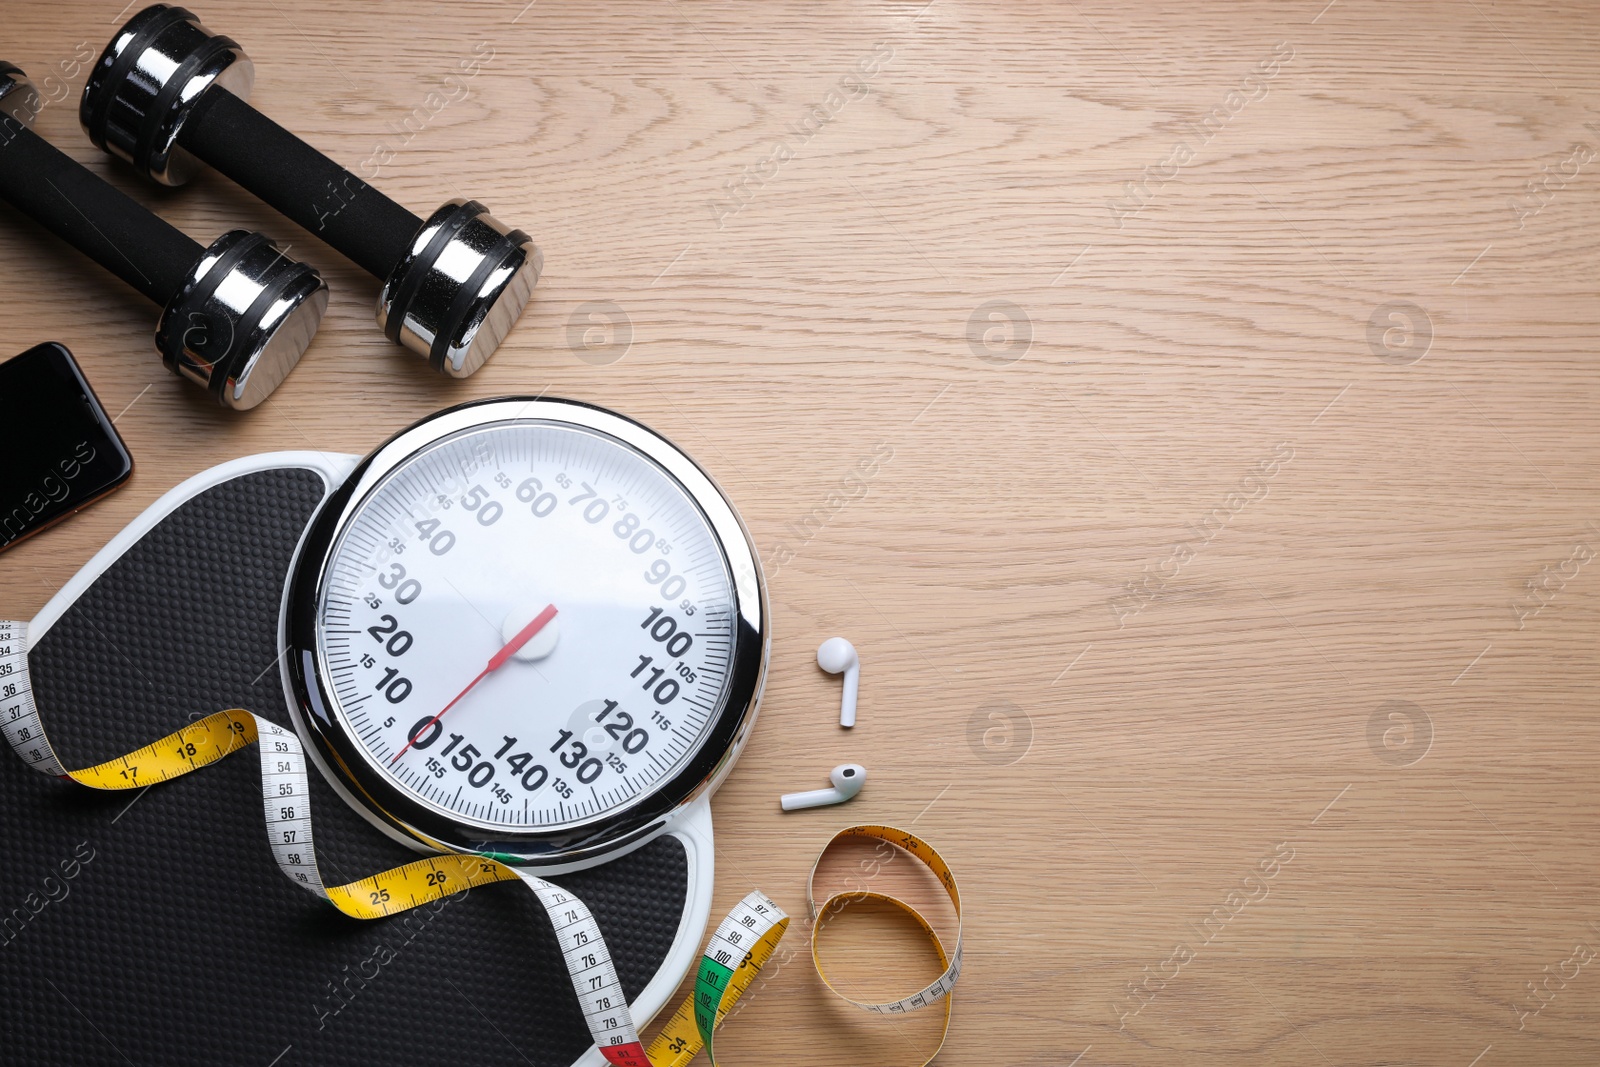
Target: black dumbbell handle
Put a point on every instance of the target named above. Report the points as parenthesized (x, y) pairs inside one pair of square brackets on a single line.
[(97, 219), (299, 181)]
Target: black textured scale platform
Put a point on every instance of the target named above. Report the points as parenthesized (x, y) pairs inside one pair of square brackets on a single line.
[(155, 929)]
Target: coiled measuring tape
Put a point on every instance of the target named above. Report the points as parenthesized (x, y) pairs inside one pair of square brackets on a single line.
[(735, 954)]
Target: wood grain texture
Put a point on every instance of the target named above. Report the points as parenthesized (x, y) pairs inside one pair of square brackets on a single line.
[(1073, 547)]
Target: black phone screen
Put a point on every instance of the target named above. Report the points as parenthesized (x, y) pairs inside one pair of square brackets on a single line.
[(62, 453)]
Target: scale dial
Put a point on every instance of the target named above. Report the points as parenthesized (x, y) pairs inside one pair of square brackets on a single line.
[(531, 628)]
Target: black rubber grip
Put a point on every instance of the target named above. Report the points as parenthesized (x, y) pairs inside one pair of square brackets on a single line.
[(97, 219), (299, 181)]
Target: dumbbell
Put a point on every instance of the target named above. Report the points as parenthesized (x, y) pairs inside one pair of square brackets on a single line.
[(235, 316), (167, 95)]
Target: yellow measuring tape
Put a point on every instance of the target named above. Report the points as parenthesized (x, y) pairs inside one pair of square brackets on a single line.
[(215, 736), (941, 987), (741, 945)]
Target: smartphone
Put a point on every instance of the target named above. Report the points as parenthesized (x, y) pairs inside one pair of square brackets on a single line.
[(62, 454)]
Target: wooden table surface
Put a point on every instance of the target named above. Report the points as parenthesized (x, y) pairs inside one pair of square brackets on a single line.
[(1186, 408)]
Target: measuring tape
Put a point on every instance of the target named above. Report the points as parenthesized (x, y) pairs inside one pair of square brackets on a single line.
[(735, 954), (939, 988)]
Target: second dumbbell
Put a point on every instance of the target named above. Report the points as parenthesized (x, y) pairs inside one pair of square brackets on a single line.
[(236, 315), (167, 93)]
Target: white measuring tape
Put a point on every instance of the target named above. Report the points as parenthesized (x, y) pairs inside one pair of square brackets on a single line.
[(741, 945)]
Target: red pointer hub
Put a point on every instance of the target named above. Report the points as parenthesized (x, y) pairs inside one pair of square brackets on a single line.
[(498, 660)]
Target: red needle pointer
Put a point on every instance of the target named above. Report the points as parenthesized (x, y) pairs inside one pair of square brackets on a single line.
[(496, 661)]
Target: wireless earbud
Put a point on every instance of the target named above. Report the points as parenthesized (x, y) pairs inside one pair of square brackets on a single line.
[(835, 655), (847, 778)]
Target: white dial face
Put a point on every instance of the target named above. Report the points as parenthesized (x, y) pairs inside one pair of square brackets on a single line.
[(527, 626)]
